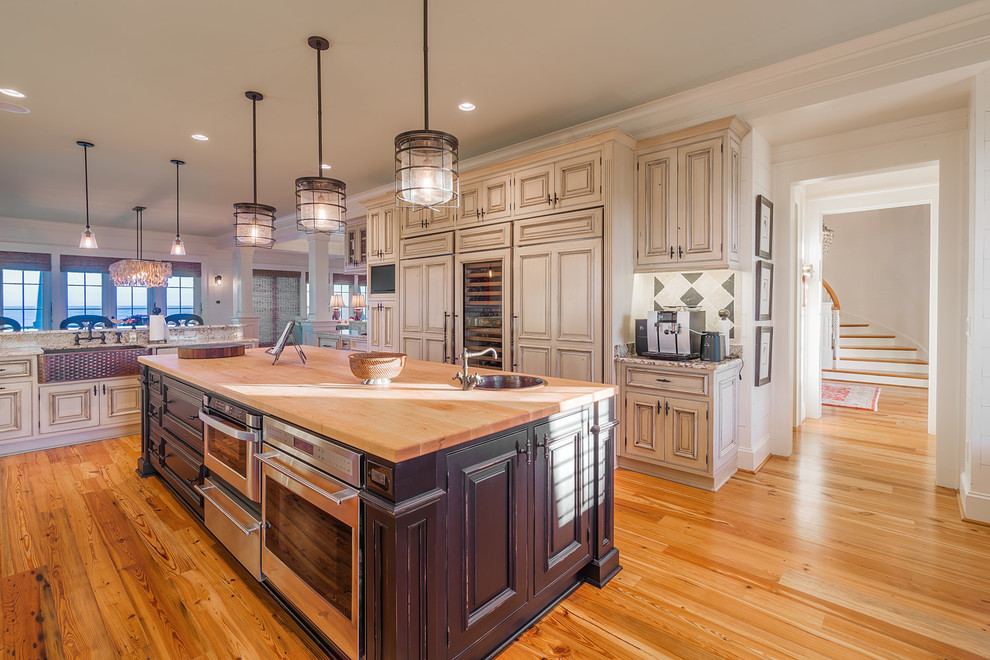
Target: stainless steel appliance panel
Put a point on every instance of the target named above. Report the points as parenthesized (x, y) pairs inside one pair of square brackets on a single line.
[(237, 527), (230, 446)]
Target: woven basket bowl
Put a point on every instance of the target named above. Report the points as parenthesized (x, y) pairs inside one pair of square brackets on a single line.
[(376, 368)]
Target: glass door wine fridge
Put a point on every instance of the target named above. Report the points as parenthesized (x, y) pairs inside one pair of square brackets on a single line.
[(483, 319)]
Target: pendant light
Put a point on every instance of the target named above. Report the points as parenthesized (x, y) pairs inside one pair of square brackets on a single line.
[(321, 202), (88, 239), (426, 161), (177, 247), (140, 271), (254, 223)]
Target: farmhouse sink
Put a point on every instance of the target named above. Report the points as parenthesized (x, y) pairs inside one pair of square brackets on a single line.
[(59, 365)]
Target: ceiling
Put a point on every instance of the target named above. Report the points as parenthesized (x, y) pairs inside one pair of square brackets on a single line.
[(137, 78)]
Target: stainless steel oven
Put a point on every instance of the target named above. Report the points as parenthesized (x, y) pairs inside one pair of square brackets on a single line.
[(232, 436), (311, 536)]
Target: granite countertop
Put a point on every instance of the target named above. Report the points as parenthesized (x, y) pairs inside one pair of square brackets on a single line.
[(26, 350), (680, 364), (419, 413)]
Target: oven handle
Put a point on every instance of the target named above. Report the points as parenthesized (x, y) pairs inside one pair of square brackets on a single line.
[(248, 531), (339, 497), (232, 431)]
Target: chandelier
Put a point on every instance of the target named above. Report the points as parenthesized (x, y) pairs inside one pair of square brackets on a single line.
[(426, 161), (140, 272), (827, 235), (321, 202)]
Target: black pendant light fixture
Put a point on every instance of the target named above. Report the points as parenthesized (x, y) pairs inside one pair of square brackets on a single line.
[(321, 202), (177, 247), (254, 223), (88, 239), (139, 271), (426, 161)]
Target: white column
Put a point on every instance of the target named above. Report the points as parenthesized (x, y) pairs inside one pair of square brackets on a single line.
[(243, 291), (318, 319)]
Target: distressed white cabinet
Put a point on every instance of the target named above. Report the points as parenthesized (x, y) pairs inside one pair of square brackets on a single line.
[(120, 401), (88, 404), (687, 198), (415, 222), (16, 418), (567, 183), (383, 234), (381, 325), (486, 201), (426, 302), (679, 422)]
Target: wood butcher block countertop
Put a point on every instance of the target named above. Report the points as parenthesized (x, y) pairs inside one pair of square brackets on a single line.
[(420, 412)]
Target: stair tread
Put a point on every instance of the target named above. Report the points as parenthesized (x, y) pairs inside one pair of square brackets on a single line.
[(876, 373), (842, 336), (877, 348), (887, 360), (866, 382), (854, 325)]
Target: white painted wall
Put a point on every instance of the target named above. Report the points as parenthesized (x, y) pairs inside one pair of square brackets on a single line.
[(878, 268)]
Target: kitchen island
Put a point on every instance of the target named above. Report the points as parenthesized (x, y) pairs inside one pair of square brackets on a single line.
[(474, 511)]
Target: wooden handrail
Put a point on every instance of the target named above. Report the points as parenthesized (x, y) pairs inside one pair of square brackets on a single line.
[(831, 293)]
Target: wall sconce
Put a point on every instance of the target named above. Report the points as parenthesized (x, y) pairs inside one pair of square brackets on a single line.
[(218, 280)]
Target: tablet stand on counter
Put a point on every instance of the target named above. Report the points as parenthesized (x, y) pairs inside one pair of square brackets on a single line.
[(286, 338)]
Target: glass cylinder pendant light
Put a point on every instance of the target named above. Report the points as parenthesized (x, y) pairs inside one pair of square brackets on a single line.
[(88, 239), (140, 271), (321, 202), (426, 161), (254, 223), (177, 247)]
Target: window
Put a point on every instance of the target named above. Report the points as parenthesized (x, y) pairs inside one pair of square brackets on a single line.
[(131, 301), (345, 294), (21, 297), (84, 293), (180, 295)]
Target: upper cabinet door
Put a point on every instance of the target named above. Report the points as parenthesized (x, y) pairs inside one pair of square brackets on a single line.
[(534, 190), (656, 207), (578, 181), (496, 198), (382, 232), (471, 204), (699, 199)]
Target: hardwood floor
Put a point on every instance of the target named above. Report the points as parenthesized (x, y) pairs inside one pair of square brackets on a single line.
[(843, 550)]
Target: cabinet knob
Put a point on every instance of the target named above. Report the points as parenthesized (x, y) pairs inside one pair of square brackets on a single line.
[(548, 200), (671, 251), (680, 252), (666, 408)]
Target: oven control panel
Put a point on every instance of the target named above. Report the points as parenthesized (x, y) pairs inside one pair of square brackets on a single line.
[(322, 453)]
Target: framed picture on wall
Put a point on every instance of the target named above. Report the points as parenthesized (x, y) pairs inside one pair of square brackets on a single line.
[(764, 354), (764, 227), (764, 290)]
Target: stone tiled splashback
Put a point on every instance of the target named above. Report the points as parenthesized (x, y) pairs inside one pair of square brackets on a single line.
[(709, 290)]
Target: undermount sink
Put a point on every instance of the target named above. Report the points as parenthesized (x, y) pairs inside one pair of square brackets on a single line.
[(510, 382)]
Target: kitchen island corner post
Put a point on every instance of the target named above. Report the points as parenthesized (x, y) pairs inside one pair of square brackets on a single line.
[(145, 464), (604, 563)]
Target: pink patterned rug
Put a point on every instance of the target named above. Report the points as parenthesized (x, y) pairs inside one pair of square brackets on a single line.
[(847, 395)]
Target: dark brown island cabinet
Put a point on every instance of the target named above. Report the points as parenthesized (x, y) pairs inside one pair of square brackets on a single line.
[(459, 550)]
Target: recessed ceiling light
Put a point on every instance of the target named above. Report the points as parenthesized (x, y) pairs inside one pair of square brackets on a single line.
[(466, 107), (199, 136), (13, 107), (12, 92), (325, 166)]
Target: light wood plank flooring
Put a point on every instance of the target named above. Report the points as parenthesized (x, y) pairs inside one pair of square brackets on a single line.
[(843, 550)]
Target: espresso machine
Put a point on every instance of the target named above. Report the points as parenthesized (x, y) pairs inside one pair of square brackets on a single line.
[(670, 334)]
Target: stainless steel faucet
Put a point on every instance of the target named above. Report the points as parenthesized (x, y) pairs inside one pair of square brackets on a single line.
[(468, 381)]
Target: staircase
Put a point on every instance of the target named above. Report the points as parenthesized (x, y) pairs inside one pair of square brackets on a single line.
[(865, 357)]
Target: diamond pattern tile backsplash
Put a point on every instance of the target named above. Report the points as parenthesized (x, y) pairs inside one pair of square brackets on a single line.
[(709, 290)]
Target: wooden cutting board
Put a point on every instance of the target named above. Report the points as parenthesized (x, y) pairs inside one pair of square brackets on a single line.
[(211, 351)]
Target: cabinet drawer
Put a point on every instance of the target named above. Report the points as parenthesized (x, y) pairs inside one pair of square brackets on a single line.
[(181, 472), (427, 246), (16, 368), (484, 238), (155, 382), (181, 404), (668, 381)]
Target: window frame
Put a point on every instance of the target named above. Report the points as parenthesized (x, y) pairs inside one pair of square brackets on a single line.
[(45, 282)]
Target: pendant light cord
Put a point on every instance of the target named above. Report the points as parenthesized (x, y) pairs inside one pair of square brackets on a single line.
[(86, 177), (319, 112), (254, 145), (137, 236), (426, 69), (177, 163)]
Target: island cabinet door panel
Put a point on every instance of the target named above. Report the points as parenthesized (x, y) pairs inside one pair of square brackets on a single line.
[(488, 544), (699, 200), (686, 435), (69, 406), (15, 410), (562, 462)]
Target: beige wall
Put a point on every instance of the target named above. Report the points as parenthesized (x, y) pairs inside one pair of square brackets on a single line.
[(879, 268)]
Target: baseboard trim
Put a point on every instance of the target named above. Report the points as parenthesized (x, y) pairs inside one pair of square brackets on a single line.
[(63, 440), (753, 459), (975, 506)]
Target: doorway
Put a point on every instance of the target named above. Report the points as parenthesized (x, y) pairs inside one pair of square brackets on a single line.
[(869, 265), (276, 302)]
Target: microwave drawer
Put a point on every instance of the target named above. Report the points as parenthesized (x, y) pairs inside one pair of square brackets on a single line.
[(671, 380)]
